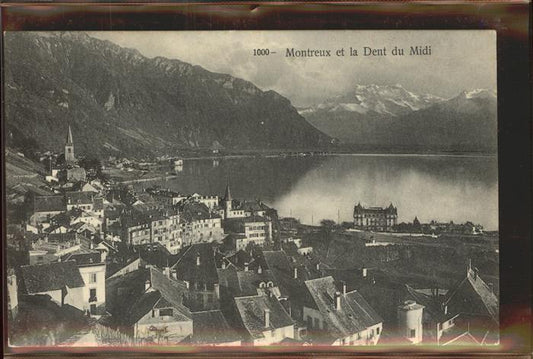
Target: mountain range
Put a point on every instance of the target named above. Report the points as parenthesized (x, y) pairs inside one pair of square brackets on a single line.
[(119, 102), (391, 117)]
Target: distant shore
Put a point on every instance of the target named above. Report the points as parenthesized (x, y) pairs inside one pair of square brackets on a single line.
[(263, 154)]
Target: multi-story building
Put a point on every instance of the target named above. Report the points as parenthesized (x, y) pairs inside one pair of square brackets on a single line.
[(248, 230), (165, 229), (263, 319), (375, 218), (196, 266), (199, 224), (148, 305), (92, 270), (338, 317), (230, 208), (135, 228), (62, 281), (166, 197), (210, 201)]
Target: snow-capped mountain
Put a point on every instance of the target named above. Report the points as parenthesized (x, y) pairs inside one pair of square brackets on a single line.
[(392, 117), (478, 93), (389, 100)]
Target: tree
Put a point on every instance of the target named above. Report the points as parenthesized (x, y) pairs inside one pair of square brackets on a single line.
[(327, 227), (347, 225), (92, 165), (327, 223)]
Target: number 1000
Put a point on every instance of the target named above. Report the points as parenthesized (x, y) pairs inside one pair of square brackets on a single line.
[(261, 52)]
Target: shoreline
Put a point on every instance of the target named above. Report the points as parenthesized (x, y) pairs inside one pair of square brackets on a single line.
[(324, 154)]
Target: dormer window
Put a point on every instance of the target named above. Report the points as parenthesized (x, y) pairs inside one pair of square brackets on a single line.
[(166, 312)]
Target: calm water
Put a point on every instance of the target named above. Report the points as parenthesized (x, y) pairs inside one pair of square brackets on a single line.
[(443, 188)]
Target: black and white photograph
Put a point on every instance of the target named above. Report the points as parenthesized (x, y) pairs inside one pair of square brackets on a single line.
[(310, 188)]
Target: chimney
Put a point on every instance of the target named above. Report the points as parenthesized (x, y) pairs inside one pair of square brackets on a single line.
[(445, 309), (198, 259), (174, 274), (267, 317), (259, 270), (147, 284), (364, 272), (166, 271), (343, 287), (295, 272), (318, 266), (223, 264), (337, 300), (246, 267)]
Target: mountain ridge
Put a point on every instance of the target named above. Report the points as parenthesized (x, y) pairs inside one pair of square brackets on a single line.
[(120, 102), (463, 123)]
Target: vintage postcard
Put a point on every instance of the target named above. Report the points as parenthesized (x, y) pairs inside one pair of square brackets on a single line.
[(252, 188)]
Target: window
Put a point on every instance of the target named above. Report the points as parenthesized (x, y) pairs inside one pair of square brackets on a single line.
[(166, 312), (92, 295), (92, 278), (377, 330), (412, 333)]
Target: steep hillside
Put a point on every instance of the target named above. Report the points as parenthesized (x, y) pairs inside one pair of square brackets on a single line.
[(122, 103)]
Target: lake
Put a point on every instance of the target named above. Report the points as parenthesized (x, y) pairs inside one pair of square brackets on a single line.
[(312, 188)]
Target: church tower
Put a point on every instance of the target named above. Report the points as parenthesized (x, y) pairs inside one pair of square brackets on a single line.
[(227, 201), (69, 148)]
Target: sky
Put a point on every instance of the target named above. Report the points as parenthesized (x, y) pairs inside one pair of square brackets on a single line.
[(460, 59)]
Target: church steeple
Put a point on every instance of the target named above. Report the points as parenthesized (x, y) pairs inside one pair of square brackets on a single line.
[(227, 195), (227, 202), (69, 148), (69, 136)]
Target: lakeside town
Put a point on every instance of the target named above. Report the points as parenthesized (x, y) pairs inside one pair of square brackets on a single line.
[(92, 261)]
